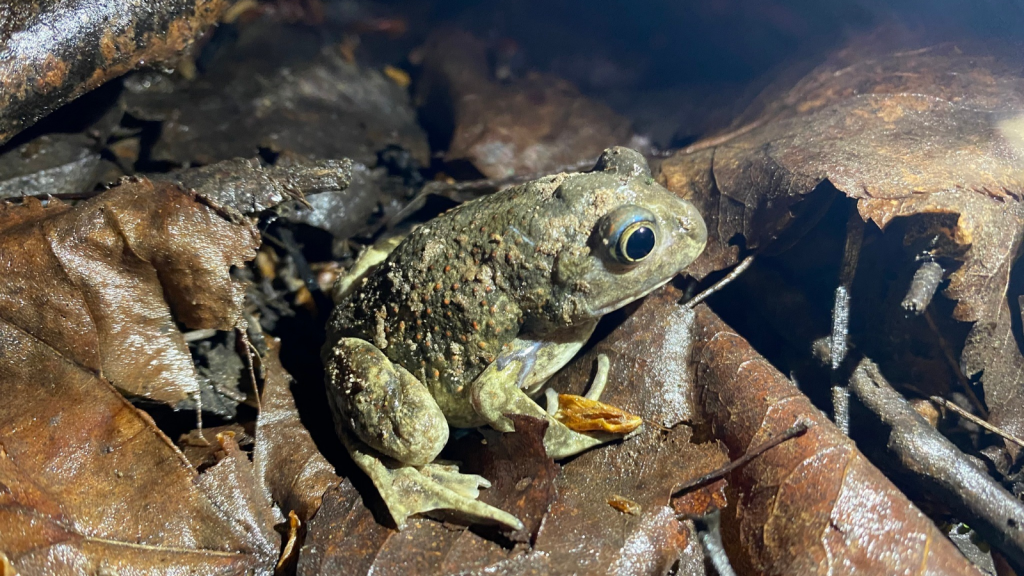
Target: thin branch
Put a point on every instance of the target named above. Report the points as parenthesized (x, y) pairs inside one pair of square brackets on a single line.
[(797, 429), (732, 275), (972, 418)]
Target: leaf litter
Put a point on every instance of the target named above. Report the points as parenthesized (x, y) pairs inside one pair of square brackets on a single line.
[(89, 311), (109, 281)]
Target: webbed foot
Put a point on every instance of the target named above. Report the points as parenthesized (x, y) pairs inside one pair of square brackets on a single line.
[(409, 490)]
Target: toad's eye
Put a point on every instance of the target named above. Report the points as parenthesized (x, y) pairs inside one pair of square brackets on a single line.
[(630, 234)]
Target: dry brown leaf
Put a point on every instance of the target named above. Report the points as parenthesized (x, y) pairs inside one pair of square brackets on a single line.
[(55, 50), (101, 283), (813, 504), (290, 463), (91, 295), (91, 484), (933, 131)]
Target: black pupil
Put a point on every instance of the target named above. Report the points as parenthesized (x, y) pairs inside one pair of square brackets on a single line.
[(640, 243)]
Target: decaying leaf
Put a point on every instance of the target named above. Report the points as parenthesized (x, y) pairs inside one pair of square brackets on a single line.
[(287, 459), (325, 107), (91, 485), (584, 415), (103, 282), (534, 125), (91, 298), (649, 377), (813, 504), (934, 131), (54, 50)]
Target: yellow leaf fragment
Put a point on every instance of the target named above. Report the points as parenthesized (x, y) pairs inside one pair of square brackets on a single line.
[(625, 505), (584, 415)]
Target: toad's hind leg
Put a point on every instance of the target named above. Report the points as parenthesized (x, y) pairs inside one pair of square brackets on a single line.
[(393, 430)]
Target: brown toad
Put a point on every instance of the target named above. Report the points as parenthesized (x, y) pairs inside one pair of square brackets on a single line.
[(472, 312)]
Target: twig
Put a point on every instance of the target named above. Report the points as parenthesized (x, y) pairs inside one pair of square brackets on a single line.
[(841, 319), (732, 275), (243, 333), (971, 417), (922, 287), (944, 471), (201, 334), (709, 532), (793, 431)]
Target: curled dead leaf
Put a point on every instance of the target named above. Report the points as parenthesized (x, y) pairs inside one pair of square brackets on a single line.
[(813, 504), (930, 132)]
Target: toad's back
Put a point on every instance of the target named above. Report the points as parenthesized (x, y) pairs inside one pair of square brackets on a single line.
[(460, 287)]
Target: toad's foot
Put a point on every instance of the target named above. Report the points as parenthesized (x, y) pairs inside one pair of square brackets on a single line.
[(408, 490), (494, 398)]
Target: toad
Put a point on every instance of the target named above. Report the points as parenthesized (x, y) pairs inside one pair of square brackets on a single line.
[(468, 316)]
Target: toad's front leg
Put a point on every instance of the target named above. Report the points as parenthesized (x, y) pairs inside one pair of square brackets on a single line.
[(524, 365), (393, 429)]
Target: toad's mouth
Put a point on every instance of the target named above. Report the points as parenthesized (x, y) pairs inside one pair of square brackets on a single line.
[(608, 308)]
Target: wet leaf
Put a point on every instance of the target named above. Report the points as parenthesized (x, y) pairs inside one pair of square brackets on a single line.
[(533, 125), (54, 50), (813, 504), (91, 484), (649, 377), (90, 281), (522, 475), (932, 131)]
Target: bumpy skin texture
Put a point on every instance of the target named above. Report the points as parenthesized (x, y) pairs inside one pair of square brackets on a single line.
[(532, 263)]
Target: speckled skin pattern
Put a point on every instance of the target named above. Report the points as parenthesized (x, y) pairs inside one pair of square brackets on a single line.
[(526, 262)]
